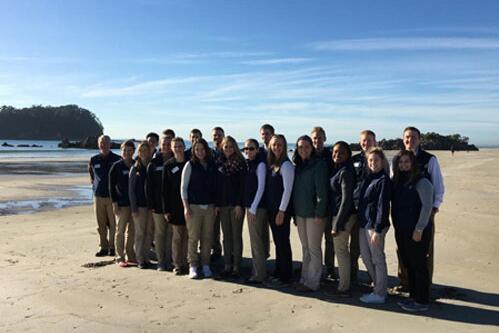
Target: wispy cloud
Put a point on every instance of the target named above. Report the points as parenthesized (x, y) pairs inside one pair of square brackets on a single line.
[(277, 61), (417, 43), (192, 58)]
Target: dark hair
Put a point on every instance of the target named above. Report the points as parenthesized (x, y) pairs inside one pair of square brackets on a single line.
[(152, 135), (196, 131), (296, 157), (209, 156), (127, 143), (412, 128), (253, 141), (414, 173), (169, 132), (272, 161), (268, 127), (218, 128), (345, 146)]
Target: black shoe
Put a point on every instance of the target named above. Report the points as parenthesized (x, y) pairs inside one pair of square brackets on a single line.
[(102, 253), (252, 281), (112, 252), (225, 274)]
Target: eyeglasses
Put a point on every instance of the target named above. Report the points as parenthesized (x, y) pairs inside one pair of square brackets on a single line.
[(249, 148)]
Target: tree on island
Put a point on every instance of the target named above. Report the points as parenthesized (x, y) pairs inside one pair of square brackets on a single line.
[(48, 123), (429, 141)]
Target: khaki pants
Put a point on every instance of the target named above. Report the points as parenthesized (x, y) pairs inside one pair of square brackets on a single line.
[(200, 230), (179, 246), (257, 230), (311, 234), (125, 233), (106, 222), (143, 234), (374, 259), (341, 248), (232, 228), (402, 270), (162, 240)]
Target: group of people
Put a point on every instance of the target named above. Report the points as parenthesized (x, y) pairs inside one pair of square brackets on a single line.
[(177, 200)]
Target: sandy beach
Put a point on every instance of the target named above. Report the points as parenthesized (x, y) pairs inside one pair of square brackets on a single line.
[(51, 281)]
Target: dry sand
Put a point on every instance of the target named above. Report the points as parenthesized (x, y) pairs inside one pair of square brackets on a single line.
[(44, 287)]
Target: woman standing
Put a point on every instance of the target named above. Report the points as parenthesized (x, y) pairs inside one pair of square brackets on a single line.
[(229, 201), (374, 206), (254, 187), (342, 184), (278, 190), (198, 196), (173, 206), (310, 206), (118, 190), (142, 215), (412, 202)]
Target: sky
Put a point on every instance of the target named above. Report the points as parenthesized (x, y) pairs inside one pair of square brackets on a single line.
[(147, 65)]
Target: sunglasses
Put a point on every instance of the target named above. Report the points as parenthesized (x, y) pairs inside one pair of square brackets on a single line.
[(249, 148)]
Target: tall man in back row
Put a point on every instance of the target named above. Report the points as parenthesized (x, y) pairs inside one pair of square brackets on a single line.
[(98, 168), (429, 168)]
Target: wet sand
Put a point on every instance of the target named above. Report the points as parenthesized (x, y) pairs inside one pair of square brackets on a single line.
[(47, 287)]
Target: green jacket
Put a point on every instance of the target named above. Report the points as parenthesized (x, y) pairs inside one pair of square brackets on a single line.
[(310, 189)]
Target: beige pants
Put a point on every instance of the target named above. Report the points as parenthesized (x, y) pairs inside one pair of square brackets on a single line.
[(106, 222), (125, 233), (258, 241), (162, 240), (311, 234), (232, 228), (143, 234), (200, 230), (374, 259), (179, 246), (341, 249)]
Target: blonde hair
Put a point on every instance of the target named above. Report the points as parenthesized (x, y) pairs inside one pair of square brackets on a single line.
[(273, 161), (237, 153)]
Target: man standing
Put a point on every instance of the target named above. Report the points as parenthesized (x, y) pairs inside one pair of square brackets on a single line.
[(318, 136), (98, 168), (430, 168), (153, 140), (367, 140), (217, 135), (162, 229), (266, 133), (194, 136)]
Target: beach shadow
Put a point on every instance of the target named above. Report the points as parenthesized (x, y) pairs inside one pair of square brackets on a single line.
[(439, 309)]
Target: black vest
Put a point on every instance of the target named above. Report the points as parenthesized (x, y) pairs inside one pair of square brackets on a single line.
[(406, 207), (274, 189), (201, 189), (423, 159), (251, 183)]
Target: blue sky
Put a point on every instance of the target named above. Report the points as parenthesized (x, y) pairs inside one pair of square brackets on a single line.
[(146, 65)]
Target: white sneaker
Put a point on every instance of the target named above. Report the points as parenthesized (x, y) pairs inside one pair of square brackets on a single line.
[(193, 273), (372, 298), (207, 271)]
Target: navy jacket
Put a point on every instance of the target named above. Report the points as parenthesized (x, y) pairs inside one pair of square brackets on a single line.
[(374, 202), (172, 201), (136, 188), (153, 184), (342, 184), (118, 183), (98, 168), (251, 183)]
